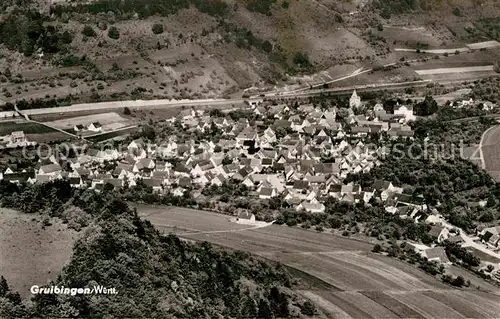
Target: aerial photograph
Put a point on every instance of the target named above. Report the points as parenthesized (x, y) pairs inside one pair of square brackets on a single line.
[(249, 159)]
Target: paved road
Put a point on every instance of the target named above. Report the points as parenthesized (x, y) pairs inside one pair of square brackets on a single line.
[(338, 273), (168, 104)]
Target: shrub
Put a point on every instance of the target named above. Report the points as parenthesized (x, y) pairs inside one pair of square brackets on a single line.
[(301, 59), (157, 28), (497, 67), (377, 248), (308, 308), (113, 33), (88, 31)]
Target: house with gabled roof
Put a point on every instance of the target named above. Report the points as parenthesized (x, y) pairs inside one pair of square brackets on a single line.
[(95, 127), (311, 207), (50, 169), (218, 180), (437, 254)]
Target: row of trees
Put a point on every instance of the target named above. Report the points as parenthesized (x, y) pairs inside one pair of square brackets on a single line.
[(144, 8)]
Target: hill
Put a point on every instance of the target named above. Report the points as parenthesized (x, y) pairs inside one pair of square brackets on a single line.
[(145, 49), (153, 276)]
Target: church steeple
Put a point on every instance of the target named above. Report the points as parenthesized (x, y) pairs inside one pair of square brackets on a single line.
[(355, 100)]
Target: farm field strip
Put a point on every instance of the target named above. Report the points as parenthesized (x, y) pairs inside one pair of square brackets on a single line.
[(489, 308), (342, 274), (455, 70), (359, 283), (483, 45), (396, 276), (490, 151), (397, 307), (329, 307), (425, 305), (451, 301), (363, 306)]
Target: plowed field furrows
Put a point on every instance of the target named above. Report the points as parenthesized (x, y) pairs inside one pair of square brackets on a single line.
[(330, 307), (361, 306), (455, 303), (339, 274), (395, 306), (394, 276), (428, 307)]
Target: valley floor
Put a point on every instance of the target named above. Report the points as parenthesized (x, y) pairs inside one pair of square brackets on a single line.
[(354, 282)]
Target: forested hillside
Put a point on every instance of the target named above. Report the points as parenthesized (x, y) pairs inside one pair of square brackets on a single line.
[(155, 276)]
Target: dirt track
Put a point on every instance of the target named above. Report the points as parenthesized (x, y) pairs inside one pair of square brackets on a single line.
[(357, 283)]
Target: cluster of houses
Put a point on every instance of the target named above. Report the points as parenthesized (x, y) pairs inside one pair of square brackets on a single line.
[(14, 140), (301, 155), (470, 103)]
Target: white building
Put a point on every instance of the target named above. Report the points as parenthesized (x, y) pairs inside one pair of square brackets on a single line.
[(354, 101), (406, 111)]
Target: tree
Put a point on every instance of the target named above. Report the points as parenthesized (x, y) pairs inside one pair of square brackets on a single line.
[(158, 28), (496, 67), (458, 282), (427, 107), (264, 310), (88, 31), (302, 60), (377, 248), (126, 111), (148, 132), (4, 287), (113, 33), (308, 308), (267, 46)]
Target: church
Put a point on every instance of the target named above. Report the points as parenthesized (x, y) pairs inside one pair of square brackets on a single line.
[(355, 100)]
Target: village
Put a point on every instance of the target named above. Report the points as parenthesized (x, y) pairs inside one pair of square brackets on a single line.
[(301, 155)]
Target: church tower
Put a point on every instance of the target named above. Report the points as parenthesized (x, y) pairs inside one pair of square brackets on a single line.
[(354, 101)]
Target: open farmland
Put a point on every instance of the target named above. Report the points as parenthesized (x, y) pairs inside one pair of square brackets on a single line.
[(356, 283), (455, 70), (490, 151), (110, 121)]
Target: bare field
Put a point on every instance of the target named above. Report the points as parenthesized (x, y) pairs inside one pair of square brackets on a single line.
[(455, 70), (30, 253), (466, 76), (363, 285), (108, 121), (409, 36), (490, 148)]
